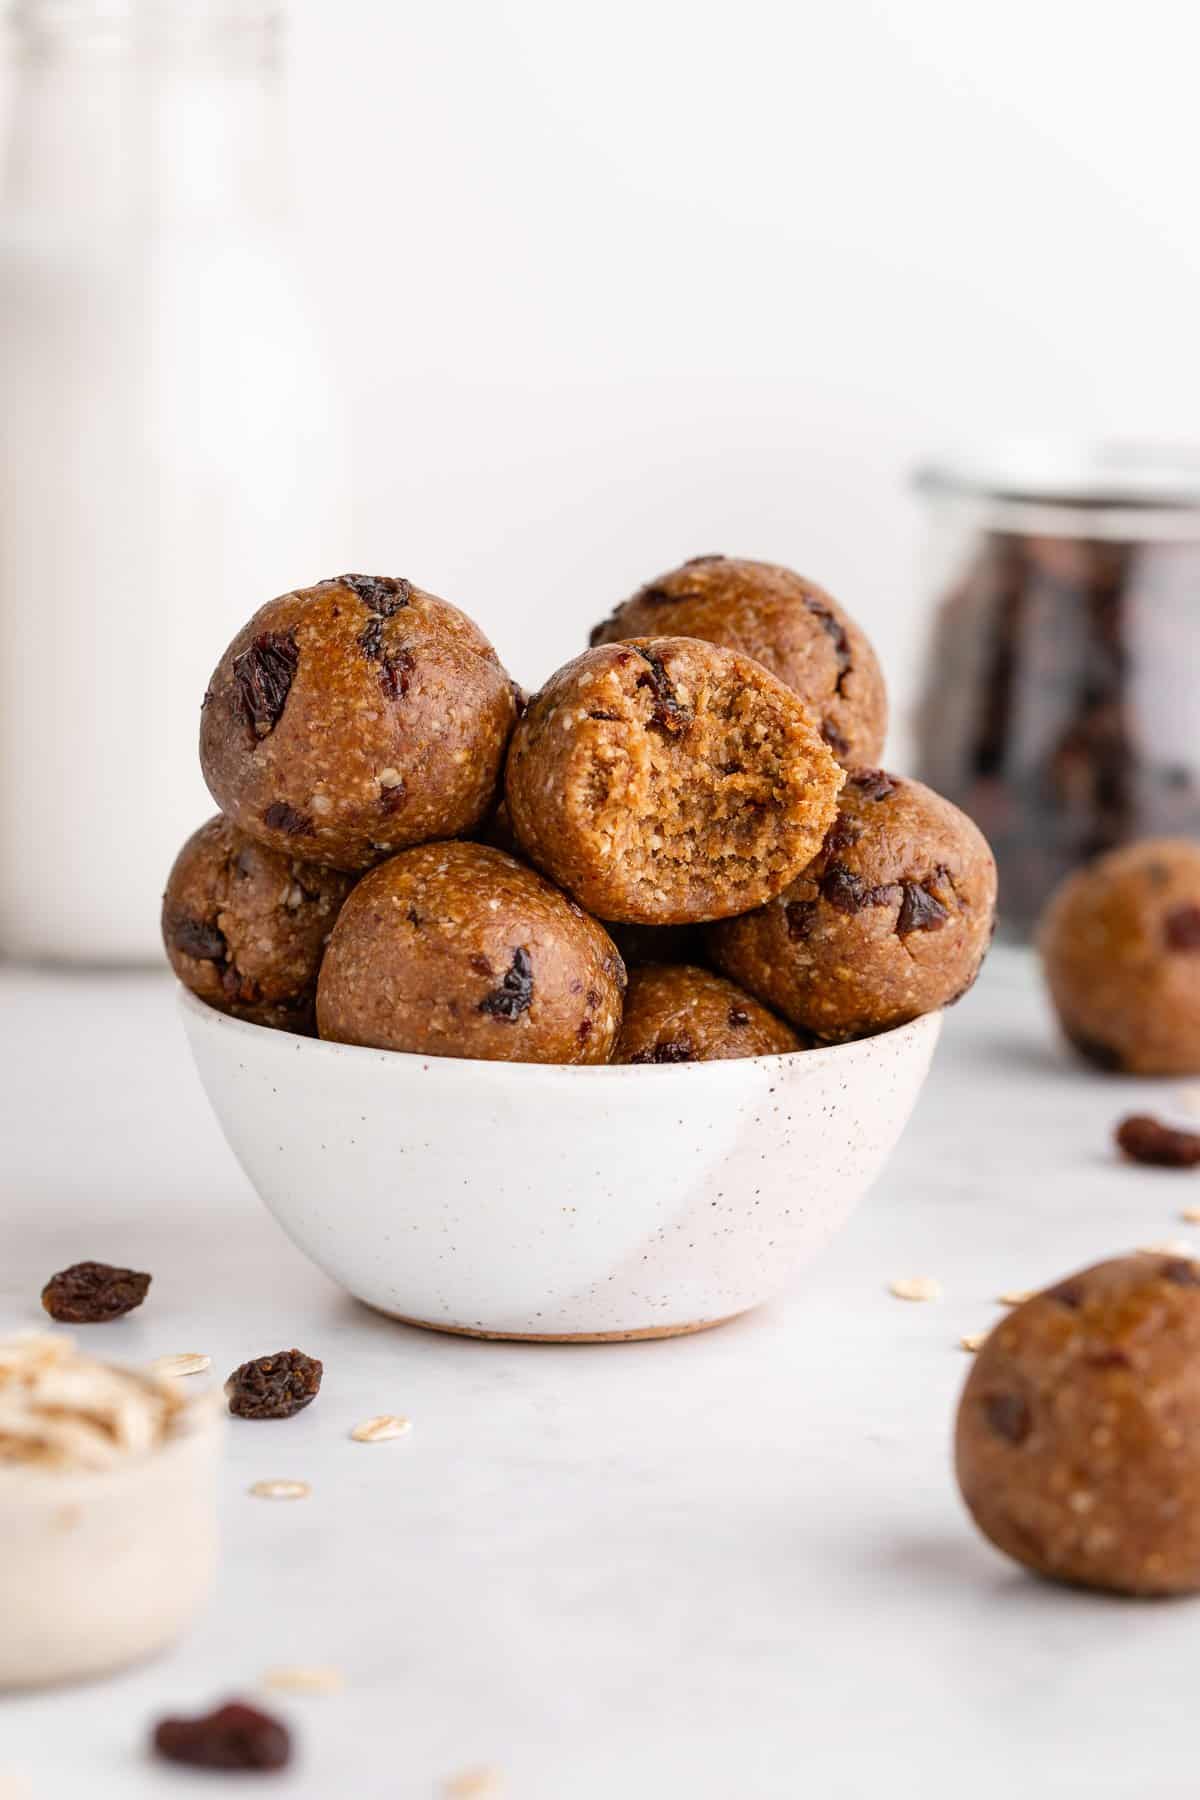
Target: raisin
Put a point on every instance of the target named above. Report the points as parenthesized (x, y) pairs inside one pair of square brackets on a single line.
[(1111, 1358), (675, 1050), (920, 910), (1008, 1416), (1181, 928), (873, 784), (394, 671), (263, 678), (274, 1387), (1146, 1140), (738, 1016), (234, 1736), (279, 816), (716, 556), (840, 836), (370, 639), (607, 717), (1096, 1051), (382, 594), (838, 743), (1181, 1271), (481, 965), (666, 714), (88, 1293), (392, 796), (515, 993), (800, 916), (584, 1030), (835, 630), (849, 893), (196, 938), (1068, 1294)]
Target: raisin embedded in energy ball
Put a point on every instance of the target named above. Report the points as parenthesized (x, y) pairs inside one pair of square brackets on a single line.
[(783, 621), (668, 781), (891, 920), (354, 718), (1120, 948), (1078, 1438), (459, 950), (677, 1014), (245, 927)]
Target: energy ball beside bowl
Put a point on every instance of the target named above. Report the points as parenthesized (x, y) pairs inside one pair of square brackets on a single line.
[(676, 1014), (355, 718), (1120, 948), (783, 621), (1078, 1438), (245, 927), (891, 919), (459, 950), (667, 781)]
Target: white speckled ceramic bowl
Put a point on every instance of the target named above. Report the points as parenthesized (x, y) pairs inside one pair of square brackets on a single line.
[(520, 1200)]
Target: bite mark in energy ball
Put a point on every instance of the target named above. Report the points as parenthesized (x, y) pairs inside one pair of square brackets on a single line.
[(1120, 949), (891, 919), (677, 1014), (245, 927), (459, 950), (1078, 1436), (786, 623), (668, 781), (354, 718)]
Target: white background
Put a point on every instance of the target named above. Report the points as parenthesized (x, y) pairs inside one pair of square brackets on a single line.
[(621, 284)]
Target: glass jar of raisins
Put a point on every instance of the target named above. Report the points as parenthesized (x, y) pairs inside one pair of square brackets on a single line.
[(1061, 698)]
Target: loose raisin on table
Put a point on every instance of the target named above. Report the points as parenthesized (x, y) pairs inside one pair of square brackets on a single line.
[(1147, 1140), (88, 1293), (274, 1387), (234, 1736)]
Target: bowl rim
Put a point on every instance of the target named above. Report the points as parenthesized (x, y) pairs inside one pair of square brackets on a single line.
[(476, 1069)]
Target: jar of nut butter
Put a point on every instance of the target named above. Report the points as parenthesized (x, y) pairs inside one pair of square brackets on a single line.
[(1060, 704)]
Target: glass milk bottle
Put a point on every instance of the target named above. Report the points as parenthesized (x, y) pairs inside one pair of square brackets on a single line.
[(169, 455)]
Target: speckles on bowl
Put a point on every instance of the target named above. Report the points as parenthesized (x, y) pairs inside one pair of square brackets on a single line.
[(534, 1201)]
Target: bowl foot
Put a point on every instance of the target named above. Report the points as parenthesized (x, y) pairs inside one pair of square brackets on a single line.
[(562, 1337)]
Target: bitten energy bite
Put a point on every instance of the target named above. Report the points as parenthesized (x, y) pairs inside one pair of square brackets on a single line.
[(676, 1014), (459, 950), (665, 781), (354, 718), (892, 918), (1120, 947), (1078, 1439), (245, 927), (786, 623)]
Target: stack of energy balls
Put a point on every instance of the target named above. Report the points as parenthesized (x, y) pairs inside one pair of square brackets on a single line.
[(411, 857)]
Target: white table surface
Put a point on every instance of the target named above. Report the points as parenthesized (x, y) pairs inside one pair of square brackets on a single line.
[(732, 1566)]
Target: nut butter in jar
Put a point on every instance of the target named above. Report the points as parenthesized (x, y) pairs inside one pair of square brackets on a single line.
[(1060, 705)]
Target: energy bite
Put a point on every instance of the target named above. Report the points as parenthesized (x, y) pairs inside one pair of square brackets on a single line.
[(668, 781), (1078, 1437), (790, 625), (891, 919), (1120, 949), (676, 1014), (245, 927), (354, 718), (459, 950)]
